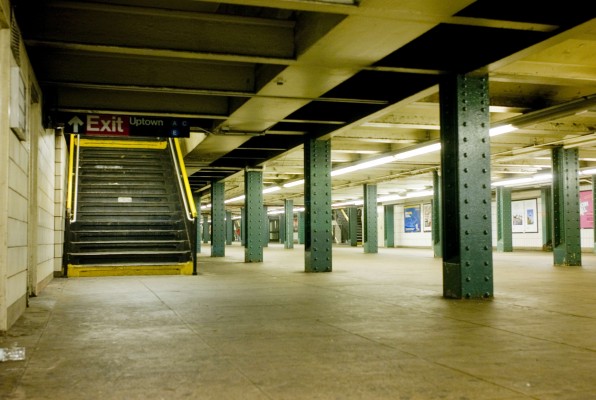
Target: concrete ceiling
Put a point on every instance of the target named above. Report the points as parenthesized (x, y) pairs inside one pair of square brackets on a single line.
[(257, 77)]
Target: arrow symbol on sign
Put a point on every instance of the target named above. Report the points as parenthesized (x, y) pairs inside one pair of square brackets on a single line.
[(75, 122)]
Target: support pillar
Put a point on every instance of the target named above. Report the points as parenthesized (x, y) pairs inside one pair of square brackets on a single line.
[(254, 217), (242, 227), (317, 202), (197, 201), (437, 219), (389, 216), (466, 189), (206, 234), (266, 234), (566, 229), (371, 240), (218, 220), (289, 223), (229, 228), (504, 229), (546, 198), (301, 227), (282, 228), (353, 225)]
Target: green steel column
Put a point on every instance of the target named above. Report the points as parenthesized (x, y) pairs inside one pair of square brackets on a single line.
[(289, 224), (353, 225), (254, 218), (197, 200), (546, 198), (301, 227), (266, 234), (466, 190), (317, 202), (566, 232), (371, 239), (437, 220), (242, 227), (282, 228), (504, 229), (206, 234), (229, 228), (389, 216), (218, 220)]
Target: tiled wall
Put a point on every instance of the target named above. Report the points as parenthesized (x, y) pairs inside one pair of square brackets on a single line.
[(59, 199), (45, 207)]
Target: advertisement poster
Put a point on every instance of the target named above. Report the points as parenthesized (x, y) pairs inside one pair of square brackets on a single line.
[(412, 219), (586, 210), (524, 216), (427, 213)]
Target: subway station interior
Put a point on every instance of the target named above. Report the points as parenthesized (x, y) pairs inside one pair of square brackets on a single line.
[(297, 199)]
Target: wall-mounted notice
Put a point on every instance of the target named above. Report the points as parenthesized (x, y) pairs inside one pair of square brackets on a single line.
[(524, 216), (586, 210), (412, 219)]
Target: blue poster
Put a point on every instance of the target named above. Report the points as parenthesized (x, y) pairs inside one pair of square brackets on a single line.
[(412, 219)]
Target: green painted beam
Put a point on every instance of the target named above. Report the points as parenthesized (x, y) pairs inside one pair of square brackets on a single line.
[(229, 228), (254, 216), (353, 225), (218, 223), (504, 228), (566, 228), (546, 199), (371, 239), (206, 233), (317, 199), (389, 217), (242, 227), (289, 223), (301, 227), (437, 220), (466, 187), (282, 228), (198, 226)]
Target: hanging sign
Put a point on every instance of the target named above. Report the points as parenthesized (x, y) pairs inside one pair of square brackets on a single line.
[(124, 125)]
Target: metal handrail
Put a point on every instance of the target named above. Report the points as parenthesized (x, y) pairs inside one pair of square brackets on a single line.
[(73, 170), (187, 199)]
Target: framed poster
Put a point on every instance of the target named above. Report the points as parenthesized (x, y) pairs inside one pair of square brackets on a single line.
[(523, 216), (427, 217), (412, 219), (586, 210)]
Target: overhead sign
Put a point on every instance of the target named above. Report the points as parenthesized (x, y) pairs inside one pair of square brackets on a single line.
[(124, 125)]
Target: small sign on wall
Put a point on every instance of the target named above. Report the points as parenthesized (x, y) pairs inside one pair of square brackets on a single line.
[(427, 213), (523, 215), (586, 210)]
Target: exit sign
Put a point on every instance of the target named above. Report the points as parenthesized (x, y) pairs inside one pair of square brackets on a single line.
[(124, 125)]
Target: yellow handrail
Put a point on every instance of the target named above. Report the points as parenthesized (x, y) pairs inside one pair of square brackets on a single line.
[(70, 168), (191, 201)]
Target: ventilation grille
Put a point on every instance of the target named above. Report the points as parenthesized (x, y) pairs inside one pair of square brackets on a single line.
[(15, 39)]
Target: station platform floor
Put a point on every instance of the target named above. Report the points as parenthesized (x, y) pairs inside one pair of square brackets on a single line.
[(376, 327)]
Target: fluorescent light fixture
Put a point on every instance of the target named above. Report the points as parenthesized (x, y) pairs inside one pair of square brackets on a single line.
[(235, 199), (417, 152), (389, 197), (294, 183), (421, 193), (271, 189), (499, 130), (591, 171), (294, 210), (522, 181), (206, 207), (364, 165)]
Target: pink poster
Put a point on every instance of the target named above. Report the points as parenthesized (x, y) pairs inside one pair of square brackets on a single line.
[(586, 214)]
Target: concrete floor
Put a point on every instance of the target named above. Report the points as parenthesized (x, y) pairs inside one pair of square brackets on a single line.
[(375, 328)]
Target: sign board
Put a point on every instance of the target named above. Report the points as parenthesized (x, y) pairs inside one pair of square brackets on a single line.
[(124, 125)]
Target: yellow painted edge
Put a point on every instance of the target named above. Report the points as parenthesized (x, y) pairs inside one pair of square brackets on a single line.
[(123, 144), (79, 271), (73, 138), (191, 201)]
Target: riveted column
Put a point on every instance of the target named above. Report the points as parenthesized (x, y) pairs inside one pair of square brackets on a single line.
[(206, 234), (317, 202), (301, 227), (466, 192), (266, 227), (197, 200), (254, 216), (289, 223), (218, 220), (282, 228), (389, 215), (504, 229), (546, 200), (437, 220), (371, 240), (229, 228), (242, 227), (353, 225), (566, 230)]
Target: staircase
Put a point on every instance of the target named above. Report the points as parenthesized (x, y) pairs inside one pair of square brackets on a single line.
[(129, 217)]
